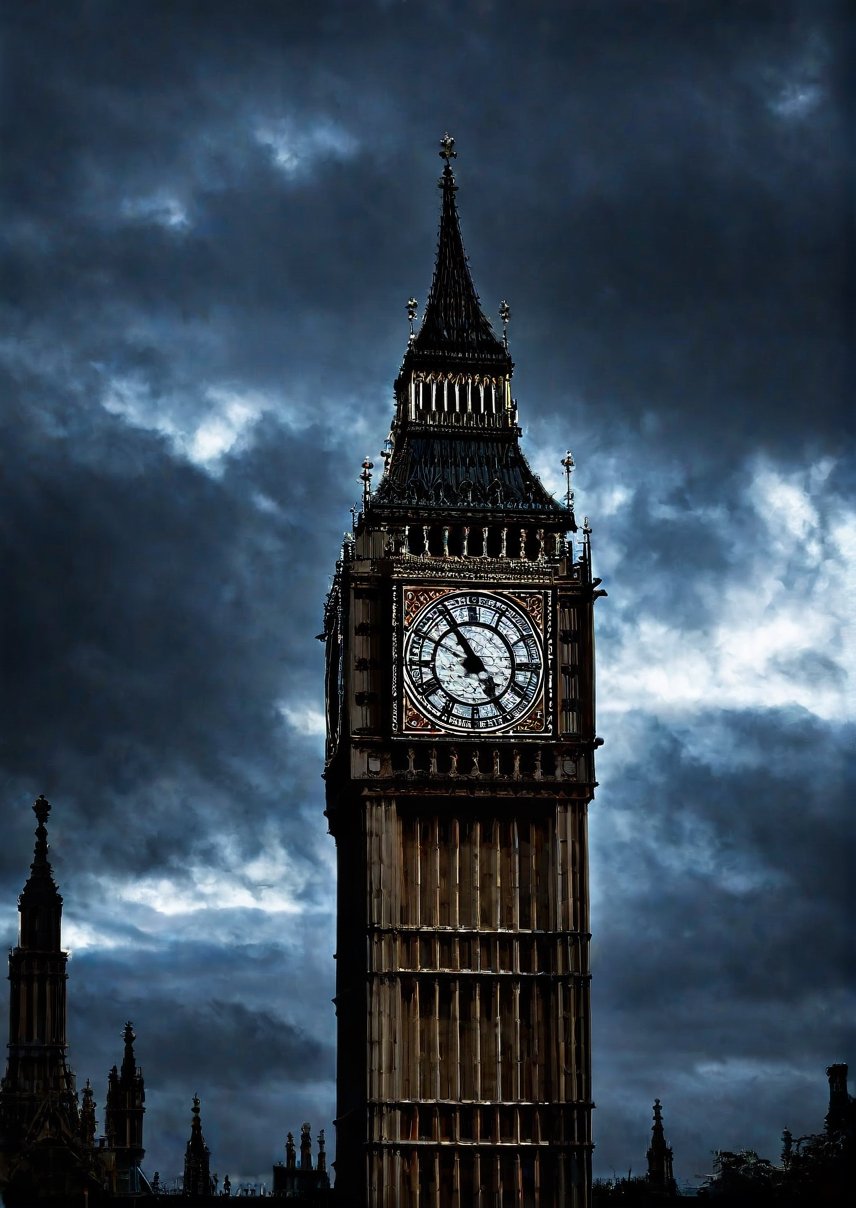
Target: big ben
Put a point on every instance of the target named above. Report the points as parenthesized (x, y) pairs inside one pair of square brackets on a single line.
[(460, 765)]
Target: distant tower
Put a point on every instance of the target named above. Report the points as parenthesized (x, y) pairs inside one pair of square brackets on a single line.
[(87, 1116), (840, 1116), (37, 1069), (660, 1173), (124, 1116), (300, 1182), (460, 765), (197, 1159), (41, 1147)]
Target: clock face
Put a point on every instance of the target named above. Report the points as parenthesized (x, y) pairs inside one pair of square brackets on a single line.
[(473, 661)]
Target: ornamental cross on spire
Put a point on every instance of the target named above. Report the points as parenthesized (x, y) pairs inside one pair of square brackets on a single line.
[(447, 149)]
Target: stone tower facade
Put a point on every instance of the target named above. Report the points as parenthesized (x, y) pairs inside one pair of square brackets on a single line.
[(460, 764)]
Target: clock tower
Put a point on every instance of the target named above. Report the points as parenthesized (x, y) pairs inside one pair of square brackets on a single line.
[(461, 737)]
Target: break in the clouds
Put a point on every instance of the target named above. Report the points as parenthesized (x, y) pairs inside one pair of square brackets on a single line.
[(212, 223)]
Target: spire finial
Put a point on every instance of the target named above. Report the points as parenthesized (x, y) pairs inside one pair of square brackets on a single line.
[(505, 315), (568, 463), (412, 307), (447, 149), (366, 480), (41, 808)]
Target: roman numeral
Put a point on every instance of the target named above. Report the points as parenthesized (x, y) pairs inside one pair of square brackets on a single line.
[(430, 685)]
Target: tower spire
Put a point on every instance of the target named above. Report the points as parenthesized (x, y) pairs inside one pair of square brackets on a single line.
[(38, 1085), (40, 903), (659, 1155), (453, 322), (197, 1157), (125, 1108)]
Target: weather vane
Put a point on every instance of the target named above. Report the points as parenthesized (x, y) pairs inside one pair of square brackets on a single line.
[(568, 463), (447, 149), (505, 315)]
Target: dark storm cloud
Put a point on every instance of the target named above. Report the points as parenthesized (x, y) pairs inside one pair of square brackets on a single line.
[(733, 868), (213, 216)]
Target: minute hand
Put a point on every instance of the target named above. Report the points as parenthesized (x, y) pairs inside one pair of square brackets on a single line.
[(472, 662), (473, 665)]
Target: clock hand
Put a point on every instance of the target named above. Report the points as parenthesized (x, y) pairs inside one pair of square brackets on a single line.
[(472, 662)]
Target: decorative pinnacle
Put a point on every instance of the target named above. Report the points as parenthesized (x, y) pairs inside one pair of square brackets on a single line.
[(448, 153), (447, 149), (568, 463), (505, 315), (412, 307), (41, 808), (366, 480)]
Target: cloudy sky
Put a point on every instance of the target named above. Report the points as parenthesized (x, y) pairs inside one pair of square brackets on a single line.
[(213, 216)]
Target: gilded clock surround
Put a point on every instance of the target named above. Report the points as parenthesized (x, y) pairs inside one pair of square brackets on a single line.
[(470, 714)]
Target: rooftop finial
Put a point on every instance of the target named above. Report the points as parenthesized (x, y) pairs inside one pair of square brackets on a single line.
[(505, 315), (41, 808), (568, 463), (447, 149), (412, 307), (366, 480)]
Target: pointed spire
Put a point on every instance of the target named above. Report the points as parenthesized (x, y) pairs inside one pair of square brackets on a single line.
[(197, 1156), (453, 322), (659, 1155), (87, 1116), (305, 1147), (129, 1061), (40, 869), (40, 902)]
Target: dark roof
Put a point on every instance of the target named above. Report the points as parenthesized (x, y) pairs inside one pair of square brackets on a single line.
[(468, 471), (453, 323)]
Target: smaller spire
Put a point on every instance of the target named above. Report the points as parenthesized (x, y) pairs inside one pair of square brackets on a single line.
[(366, 480), (412, 307), (505, 316), (87, 1116), (40, 903), (129, 1061), (305, 1147), (197, 1157), (41, 865), (568, 463), (659, 1156), (322, 1153)]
